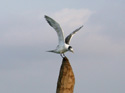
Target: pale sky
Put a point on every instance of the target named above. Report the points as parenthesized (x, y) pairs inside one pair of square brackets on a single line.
[(98, 61)]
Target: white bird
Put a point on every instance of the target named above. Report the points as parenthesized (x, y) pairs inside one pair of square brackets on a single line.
[(63, 45)]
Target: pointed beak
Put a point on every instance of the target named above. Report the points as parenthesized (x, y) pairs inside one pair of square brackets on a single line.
[(72, 51)]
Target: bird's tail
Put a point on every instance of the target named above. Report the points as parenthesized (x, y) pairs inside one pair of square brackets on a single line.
[(51, 51)]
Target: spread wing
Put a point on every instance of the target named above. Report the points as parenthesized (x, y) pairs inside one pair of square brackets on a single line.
[(57, 28), (68, 38)]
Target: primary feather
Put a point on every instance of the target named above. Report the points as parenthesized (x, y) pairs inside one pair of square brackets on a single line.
[(57, 28), (68, 38)]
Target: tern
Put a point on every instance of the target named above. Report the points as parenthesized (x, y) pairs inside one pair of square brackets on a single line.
[(63, 44)]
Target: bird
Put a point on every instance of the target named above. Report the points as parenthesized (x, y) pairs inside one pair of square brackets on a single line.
[(63, 44)]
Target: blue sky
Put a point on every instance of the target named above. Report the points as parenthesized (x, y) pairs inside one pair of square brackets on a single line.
[(99, 59)]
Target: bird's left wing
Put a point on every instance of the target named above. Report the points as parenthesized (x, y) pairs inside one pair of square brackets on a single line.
[(57, 28), (68, 38)]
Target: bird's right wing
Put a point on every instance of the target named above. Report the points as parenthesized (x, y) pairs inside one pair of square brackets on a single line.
[(57, 28), (68, 38)]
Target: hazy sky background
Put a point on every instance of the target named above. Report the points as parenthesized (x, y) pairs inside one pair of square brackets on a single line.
[(99, 59)]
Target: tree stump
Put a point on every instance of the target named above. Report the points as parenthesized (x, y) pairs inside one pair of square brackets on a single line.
[(66, 79)]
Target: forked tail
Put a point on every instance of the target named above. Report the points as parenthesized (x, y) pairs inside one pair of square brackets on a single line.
[(51, 51)]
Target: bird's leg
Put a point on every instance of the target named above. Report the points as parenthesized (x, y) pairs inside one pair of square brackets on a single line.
[(64, 55), (61, 55)]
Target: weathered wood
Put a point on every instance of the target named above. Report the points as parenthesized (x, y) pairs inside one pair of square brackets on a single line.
[(66, 79)]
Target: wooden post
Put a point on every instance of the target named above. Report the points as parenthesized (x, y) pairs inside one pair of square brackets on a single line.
[(66, 79)]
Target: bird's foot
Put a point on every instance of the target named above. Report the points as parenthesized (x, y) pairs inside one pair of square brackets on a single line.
[(62, 55)]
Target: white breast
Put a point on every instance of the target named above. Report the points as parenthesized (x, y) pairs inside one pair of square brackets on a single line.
[(62, 49)]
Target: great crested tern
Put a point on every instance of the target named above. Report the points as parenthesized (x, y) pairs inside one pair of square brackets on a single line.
[(63, 44)]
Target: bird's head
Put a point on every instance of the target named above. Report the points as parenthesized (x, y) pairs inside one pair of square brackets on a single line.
[(70, 49)]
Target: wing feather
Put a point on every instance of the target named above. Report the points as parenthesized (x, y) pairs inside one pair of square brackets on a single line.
[(68, 38), (57, 28)]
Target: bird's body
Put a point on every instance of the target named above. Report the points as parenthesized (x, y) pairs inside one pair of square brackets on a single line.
[(60, 49), (63, 44)]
